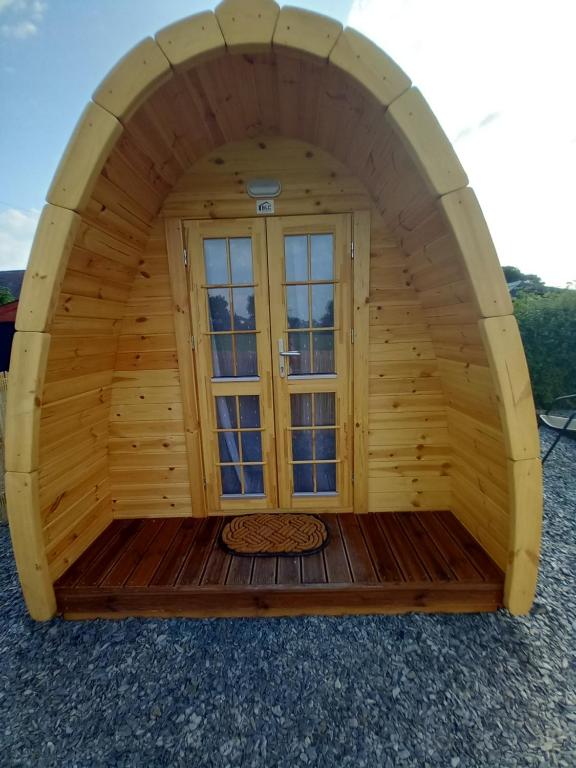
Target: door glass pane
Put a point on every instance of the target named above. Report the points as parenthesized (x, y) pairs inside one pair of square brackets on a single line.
[(222, 357), (323, 305), (325, 478), (241, 260), (299, 342), (296, 257), (323, 361), (324, 409), (216, 261), (298, 309), (303, 478), (251, 446), (301, 410), (249, 411), (246, 360), (302, 445), (322, 257), (325, 446), (253, 479), (226, 412), (219, 309), (231, 483), (244, 313), (228, 446)]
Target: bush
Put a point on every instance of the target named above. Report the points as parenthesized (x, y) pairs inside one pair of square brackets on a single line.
[(548, 327)]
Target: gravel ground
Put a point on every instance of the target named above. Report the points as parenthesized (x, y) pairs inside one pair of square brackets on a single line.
[(481, 690)]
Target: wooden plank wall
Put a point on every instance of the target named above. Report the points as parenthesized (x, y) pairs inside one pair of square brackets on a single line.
[(408, 455), (478, 459), (148, 465), (74, 479)]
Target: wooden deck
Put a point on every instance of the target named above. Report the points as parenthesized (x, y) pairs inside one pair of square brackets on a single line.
[(377, 563)]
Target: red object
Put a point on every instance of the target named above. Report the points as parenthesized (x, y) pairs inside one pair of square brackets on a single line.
[(8, 312)]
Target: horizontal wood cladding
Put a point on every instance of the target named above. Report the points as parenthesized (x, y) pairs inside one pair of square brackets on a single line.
[(477, 449), (408, 444), (74, 478), (147, 454)]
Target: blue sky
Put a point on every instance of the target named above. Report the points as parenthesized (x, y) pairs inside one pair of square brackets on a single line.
[(497, 73)]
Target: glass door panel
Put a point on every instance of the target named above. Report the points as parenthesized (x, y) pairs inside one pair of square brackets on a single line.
[(310, 311), (230, 312)]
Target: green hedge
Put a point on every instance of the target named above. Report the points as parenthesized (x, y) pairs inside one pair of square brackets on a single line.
[(548, 327)]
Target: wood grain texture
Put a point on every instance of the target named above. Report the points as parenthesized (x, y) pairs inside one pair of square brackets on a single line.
[(362, 59), (94, 136), (526, 533), (28, 544), (133, 79), (28, 363), (306, 31), (371, 564), (247, 27), (191, 40), (427, 143)]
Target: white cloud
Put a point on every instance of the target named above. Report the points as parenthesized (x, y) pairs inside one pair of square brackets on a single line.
[(497, 75), (16, 234), (23, 18)]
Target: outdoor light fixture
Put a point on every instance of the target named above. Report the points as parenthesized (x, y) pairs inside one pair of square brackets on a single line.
[(263, 187)]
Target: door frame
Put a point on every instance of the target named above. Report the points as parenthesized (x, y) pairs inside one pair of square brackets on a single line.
[(177, 250)]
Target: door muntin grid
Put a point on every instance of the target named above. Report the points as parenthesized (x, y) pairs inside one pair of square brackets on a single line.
[(239, 435), (230, 305), (310, 291)]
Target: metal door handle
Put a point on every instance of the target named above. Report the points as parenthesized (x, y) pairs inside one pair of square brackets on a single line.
[(282, 354)]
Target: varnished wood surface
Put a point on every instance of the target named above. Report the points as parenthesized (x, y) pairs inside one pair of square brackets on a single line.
[(375, 563)]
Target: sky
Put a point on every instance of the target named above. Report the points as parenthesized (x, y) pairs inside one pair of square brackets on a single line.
[(497, 73)]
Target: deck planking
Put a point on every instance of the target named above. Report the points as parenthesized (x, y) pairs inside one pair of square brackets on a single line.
[(374, 563)]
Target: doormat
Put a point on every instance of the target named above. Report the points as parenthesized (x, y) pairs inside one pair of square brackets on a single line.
[(283, 535)]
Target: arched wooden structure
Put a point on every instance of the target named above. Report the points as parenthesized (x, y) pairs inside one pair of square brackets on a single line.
[(103, 414)]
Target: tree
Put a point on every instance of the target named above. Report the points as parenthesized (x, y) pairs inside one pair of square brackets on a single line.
[(548, 328), (6, 296), (520, 282)]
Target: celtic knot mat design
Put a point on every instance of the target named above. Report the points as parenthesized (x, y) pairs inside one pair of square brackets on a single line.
[(284, 534)]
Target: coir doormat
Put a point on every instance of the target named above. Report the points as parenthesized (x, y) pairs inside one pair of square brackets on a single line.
[(264, 535)]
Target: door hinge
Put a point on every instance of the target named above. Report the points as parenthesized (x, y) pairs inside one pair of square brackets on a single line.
[(192, 342), (352, 249), (351, 335), (185, 256), (352, 478)]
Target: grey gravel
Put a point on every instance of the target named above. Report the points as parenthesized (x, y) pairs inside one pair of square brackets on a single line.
[(460, 691)]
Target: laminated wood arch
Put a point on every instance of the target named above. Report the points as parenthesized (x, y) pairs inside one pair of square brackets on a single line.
[(240, 77)]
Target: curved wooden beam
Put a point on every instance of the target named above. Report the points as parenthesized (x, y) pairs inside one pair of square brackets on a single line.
[(247, 27), (22, 497), (306, 32), (53, 242), (24, 401), (369, 65), (133, 79), (421, 133), (93, 139), (466, 221), (192, 40)]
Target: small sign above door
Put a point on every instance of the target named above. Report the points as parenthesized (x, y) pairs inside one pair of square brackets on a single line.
[(265, 206)]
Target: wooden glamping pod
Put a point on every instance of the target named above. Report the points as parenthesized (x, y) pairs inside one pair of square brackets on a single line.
[(148, 399)]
